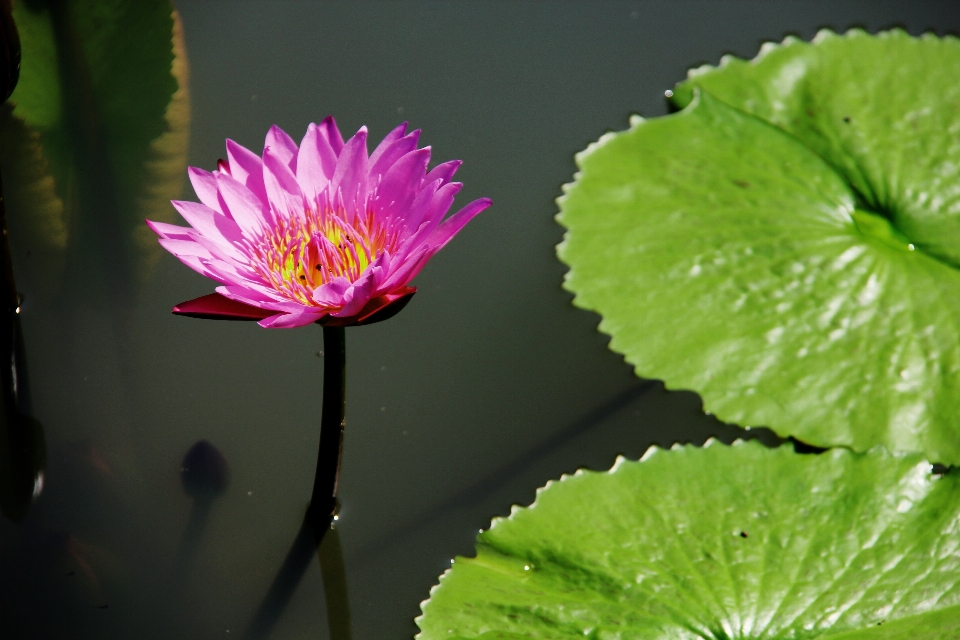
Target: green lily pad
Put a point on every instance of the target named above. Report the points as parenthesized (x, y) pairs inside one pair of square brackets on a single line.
[(103, 90), (883, 110), (787, 245), (718, 543)]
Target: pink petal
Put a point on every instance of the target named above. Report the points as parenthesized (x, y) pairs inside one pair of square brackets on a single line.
[(351, 174), (430, 215), (316, 163), (205, 185), (257, 297), (420, 204), (283, 190), (246, 209), (387, 142), (214, 226), (331, 293), (441, 203), (452, 225), (282, 147), (200, 265), (391, 154), (405, 271), (181, 248), (418, 261), (402, 183), (433, 212), (360, 292), (246, 168), (410, 243), (219, 249), (170, 231), (331, 134), (292, 320), (234, 275), (358, 295), (444, 171), (378, 309)]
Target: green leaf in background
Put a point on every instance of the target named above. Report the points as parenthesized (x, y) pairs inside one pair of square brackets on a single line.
[(103, 84), (718, 543), (754, 266)]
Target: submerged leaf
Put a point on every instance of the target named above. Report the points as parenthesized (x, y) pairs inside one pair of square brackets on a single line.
[(165, 166), (104, 86), (789, 257), (35, 213), (718, 542)]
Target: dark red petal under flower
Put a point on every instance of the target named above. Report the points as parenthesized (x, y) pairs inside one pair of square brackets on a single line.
[(217, 307)]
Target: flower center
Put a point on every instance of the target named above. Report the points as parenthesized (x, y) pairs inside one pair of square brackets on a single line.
[(299, 254)]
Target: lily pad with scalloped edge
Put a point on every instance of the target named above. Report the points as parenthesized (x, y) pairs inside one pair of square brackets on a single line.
[(787, 245), (718, 543), (883, 111)]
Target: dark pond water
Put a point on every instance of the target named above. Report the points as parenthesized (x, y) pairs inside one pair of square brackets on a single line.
[(489, 384)]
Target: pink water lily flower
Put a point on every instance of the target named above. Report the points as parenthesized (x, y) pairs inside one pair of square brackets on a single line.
[(320, 232)]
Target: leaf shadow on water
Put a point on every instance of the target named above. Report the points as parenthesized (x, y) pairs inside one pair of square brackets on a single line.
[(504, 476)]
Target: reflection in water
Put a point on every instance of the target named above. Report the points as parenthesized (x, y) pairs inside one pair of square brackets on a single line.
[(335, 585), (114, 159), (205, 475), (95, 138), (23, 455), (9, 51), (94, 183), (508, 472), (318, 532), (325, 542), (22, 444)]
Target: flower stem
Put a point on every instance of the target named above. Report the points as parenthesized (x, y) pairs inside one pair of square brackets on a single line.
[(316, 527), (324, 496)]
